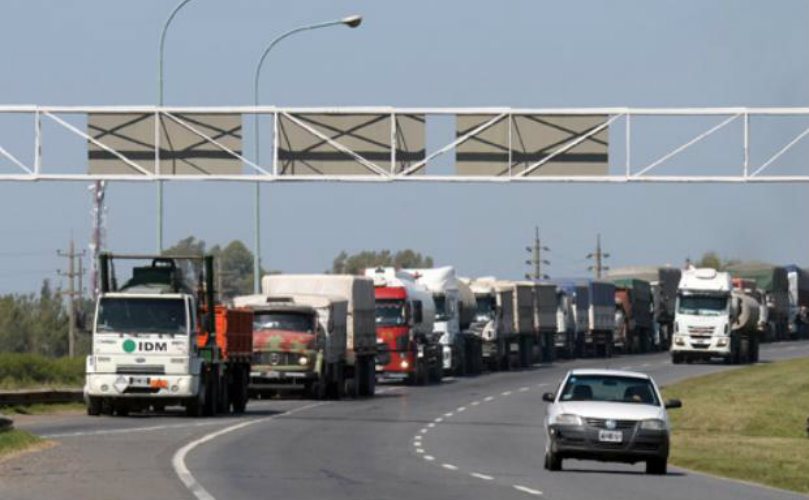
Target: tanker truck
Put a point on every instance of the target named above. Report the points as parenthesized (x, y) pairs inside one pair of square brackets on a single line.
[(449, 324), (299, 344), (359, 368), (711, 320), (408, 348), (773, 282), (494, 320), (160, 341)]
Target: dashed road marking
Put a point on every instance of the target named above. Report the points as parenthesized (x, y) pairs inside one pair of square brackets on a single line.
[(429, 458), (505, 393), (423, 431), (448, 414), (488, 398), (431, 425), (481, 476), (461, 408), (475, 403), (438, 420), (524, 389), (449, 466), (525, 489)]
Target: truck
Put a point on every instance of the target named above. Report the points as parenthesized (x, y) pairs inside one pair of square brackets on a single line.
[(494, 319), (359, 375), (545, 318), (160, 341), (600, 318), (452, 315), (299, 344), (565, 336), (664, 282), (713, 321), (408, 348), (522, 343), (773, 281), (633, 302), (798, 302)]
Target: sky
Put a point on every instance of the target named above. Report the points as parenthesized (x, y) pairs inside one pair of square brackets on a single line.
[(518, 53)]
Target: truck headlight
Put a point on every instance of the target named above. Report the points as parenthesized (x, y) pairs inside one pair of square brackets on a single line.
[(303, 361), (678, 340), (653, 425), (568, 419)]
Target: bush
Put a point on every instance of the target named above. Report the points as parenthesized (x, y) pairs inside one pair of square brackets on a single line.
[(32, 370)]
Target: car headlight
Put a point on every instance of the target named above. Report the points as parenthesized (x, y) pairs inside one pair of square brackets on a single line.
[(303, 361), (653, 425), (568, 419)]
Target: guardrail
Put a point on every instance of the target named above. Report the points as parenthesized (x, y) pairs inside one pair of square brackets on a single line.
[(40, 396)]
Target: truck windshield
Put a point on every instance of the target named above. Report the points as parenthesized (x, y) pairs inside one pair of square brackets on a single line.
[(485, 305), (390, 313), (286, 321), (609, 388), (441, 313), (141, 315), (702, 305)]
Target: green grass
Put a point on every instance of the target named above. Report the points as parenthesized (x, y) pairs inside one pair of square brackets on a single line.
[(748, 423), (26, 371), (41, 409), (16, 440)]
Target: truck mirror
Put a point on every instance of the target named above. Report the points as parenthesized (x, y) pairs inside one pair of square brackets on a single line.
[(674, 403)]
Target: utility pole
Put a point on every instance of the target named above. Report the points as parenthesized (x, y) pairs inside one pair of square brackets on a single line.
[(536, 258), (599, 257), (72, 292), (97, 242)]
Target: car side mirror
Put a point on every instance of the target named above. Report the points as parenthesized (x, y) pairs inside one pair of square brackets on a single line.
[(674, 403), (548, 397)]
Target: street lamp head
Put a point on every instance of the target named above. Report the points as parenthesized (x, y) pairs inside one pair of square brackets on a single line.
[(352, 21)]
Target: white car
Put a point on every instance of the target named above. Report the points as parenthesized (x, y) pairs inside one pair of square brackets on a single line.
[(610, 416)]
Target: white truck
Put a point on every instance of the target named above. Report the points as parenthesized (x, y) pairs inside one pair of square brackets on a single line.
[(565, 338), (299, 344), (159, 341), (446, 289), (521, 347), (360, 359), (494, 319), (711, 320)]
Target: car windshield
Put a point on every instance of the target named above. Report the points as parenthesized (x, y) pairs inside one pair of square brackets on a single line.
[(702, 305), (288, 322), (609, 388), (485, 308), (141, 315), (441, 313), (390, 312)]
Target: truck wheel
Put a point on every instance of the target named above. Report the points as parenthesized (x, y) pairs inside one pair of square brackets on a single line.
[(744, 350), (676, 358), (211, 390), (223, 398), (94, 406), (754, 350), (122, 409)]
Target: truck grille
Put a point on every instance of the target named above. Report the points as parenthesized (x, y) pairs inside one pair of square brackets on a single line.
[(140, 369), (601, 423), (382, 354), (700, 331), (275, 358)]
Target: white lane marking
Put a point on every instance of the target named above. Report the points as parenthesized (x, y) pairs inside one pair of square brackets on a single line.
[(429, 458), (461, 408), (178, 460), (488, 398), (481, 476), (134, 429), (448, 414), (475, 403), (438, 420), (431, 425), (423, 431), (524, 389), (505, 393), (419, 450), (449, 466), (525, 489)]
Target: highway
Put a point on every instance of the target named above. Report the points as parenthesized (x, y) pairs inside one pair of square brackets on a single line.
[(469, 438)]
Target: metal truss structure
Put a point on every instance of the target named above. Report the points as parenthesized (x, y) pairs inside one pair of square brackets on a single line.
[(336, 144)]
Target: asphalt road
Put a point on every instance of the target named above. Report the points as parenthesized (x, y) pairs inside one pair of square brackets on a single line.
[(469, 438)]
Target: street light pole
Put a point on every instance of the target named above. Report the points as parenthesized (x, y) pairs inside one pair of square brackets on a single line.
[(351, 22), (160, 103)]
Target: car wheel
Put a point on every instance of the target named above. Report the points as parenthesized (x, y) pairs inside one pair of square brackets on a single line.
[(552, 461), (656, 466)]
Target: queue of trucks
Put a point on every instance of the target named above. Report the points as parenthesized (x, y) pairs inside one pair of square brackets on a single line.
[(161, 339)]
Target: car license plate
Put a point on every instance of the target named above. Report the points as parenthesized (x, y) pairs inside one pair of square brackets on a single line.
[(272, 374), (610, 436), (139, 381)]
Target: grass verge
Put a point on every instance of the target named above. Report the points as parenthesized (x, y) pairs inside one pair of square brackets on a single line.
[(27, 371), (16, 440), (42, 409), (748, 423)]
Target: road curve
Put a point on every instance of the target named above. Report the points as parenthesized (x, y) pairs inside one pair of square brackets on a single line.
[(470, 438)]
